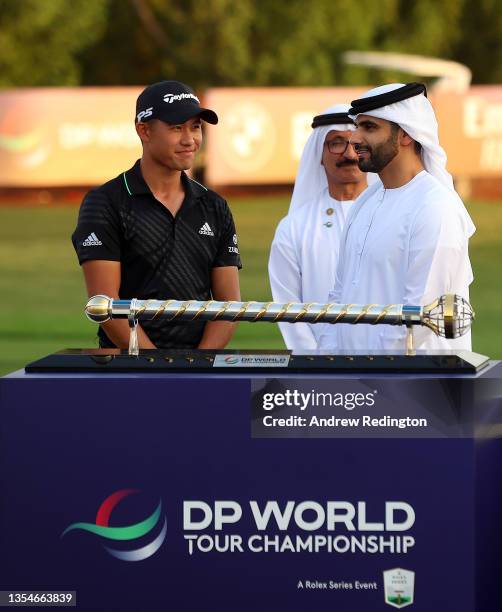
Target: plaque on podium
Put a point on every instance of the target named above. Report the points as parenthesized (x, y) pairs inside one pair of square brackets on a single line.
[(258, 361)]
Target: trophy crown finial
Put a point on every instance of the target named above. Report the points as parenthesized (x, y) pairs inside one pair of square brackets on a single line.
[(450, 316)]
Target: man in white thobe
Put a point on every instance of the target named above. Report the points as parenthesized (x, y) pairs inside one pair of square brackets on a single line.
[(304, 252), (406, 238)]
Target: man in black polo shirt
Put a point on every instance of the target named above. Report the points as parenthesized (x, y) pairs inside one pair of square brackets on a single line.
[(153, 232)]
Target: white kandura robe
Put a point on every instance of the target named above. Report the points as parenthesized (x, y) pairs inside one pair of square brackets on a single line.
[(303, 260), (401, 246)]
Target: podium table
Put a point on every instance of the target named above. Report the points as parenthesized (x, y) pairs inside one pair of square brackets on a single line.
[(250, 492)]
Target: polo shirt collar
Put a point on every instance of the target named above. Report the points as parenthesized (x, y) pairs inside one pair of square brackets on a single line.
[(135, 184)]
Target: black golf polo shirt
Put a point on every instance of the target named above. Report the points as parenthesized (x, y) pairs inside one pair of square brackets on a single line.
[(161, 256)]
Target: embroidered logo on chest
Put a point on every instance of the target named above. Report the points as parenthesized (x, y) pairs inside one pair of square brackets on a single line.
[(206, 230)]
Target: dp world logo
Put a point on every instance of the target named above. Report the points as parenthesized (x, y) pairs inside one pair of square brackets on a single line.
[(131, 535)]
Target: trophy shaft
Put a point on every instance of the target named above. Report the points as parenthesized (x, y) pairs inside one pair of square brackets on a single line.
[(192, 310), (449, 316)]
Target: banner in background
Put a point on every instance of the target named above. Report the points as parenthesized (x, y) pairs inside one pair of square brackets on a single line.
[(262, 131), (56, 137), (53, 137)]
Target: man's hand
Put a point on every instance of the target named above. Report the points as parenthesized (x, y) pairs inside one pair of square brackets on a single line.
[(224, 287), (103, 278)]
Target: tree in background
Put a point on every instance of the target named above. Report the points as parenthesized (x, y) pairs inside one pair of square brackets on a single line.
[(202, 42), (237, 42), (261, 42), (40, 40), (266, 42), (480, 46)]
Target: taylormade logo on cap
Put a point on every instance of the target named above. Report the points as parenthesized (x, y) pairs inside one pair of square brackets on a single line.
[(169, 98), (172, 102)]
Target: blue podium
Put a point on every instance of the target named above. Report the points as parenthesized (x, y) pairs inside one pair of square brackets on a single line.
[(151, 492)]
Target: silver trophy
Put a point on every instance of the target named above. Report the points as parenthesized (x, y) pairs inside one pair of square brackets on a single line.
[(449, 316)]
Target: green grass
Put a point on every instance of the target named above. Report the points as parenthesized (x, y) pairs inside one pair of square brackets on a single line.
[(43, 292)]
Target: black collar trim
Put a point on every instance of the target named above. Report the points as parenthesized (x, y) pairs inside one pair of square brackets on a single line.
[(331, 119), (135, 184), (362, 105)]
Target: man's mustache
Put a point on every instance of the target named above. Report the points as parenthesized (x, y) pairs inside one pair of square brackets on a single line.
[(347, 162)]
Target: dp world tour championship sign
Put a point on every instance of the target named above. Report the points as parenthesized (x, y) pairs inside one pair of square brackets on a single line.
[(314, 527), (216, 491)]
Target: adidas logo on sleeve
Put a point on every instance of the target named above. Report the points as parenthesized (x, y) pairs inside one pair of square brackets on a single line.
[(92, 240), (206, 230)]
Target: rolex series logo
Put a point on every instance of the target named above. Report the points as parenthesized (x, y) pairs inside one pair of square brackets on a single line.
[(399, 585)]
